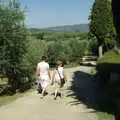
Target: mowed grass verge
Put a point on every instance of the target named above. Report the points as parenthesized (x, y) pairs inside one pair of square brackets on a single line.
[(8, 99), (105, 116)]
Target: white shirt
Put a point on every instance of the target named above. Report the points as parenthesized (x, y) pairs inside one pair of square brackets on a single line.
[(43, 67), (61, 72)]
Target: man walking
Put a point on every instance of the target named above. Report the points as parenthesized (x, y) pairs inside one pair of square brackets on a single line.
[(44, 75)]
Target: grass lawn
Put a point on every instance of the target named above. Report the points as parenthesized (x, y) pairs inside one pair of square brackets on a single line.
[(110, 57), (7, 99), (105, 116)]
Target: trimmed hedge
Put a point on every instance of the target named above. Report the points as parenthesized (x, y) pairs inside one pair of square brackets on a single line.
[(110, 91), (110, 62)]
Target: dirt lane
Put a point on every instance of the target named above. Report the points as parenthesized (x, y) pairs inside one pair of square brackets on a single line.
[(31, 107)]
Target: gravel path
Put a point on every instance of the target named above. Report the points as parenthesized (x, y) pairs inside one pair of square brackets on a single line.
[(31, 107)]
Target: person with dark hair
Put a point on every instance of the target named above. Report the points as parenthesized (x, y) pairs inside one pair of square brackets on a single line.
[(44, 58), (43, 72)]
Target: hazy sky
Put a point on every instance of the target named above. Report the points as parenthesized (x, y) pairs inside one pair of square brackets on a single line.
[(49, 13)]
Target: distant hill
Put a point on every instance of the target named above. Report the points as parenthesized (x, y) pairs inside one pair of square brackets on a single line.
[(65, 28)]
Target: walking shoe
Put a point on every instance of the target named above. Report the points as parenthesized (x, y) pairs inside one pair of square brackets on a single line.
[(55, 98), (61, 95), (41, 96)]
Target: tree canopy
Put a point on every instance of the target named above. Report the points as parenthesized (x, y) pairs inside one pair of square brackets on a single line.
[(13, 39), (101, 21)]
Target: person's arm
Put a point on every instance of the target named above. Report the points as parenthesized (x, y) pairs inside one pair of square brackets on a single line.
[(37, 71), (65, 76), (49, 72), (53, 75)]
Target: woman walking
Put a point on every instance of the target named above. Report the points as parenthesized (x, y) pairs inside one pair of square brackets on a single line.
[(58, 79)]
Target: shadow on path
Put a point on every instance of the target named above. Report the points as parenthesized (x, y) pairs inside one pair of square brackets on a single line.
[(86, 91), (84, 88)]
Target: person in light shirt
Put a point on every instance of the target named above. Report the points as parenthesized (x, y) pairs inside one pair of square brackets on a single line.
[(58, 75), (42, 71)]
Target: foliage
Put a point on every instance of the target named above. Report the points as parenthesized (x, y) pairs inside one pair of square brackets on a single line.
[(110, 57), (35, 50), (108, 44), (52, 36), (78, 48), (80, 35), (109, 63), (13, 40), (101, 24), (67, 46), (105, 116), (93, 46), (116, 18), (101, 21), (40, 35), (57, 51), (66, 51)]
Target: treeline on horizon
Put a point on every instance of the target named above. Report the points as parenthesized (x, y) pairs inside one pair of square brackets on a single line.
[(69, 46), (64, 28)]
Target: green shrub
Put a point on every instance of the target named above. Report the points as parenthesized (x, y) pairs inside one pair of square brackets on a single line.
[(13, 39), (109, 63), (58, 51)]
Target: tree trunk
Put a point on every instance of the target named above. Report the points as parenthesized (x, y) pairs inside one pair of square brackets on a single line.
[(116, 18), (100, 49)]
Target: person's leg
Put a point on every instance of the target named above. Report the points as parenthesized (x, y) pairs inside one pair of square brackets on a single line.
[(56, 89), (56, 93), (61, 94), (44, 88), (40, 85), (39, 88), (43, 92)]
